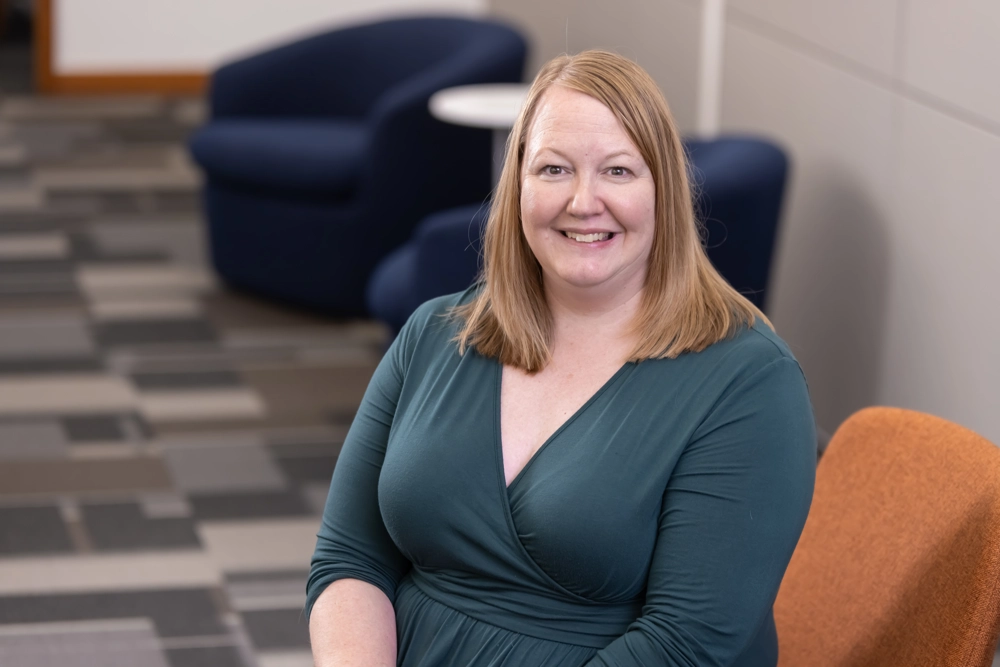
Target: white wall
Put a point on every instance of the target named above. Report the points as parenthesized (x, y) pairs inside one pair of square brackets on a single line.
[(123, 36), (888, 268), (661, 35), (887, 278)]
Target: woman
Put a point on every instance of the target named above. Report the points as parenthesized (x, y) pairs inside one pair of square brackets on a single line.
[(599, 455)]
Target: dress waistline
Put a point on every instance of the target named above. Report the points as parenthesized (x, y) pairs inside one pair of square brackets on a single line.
[(576, 622)]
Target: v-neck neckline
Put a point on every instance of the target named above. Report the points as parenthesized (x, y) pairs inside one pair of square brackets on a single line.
[(498, 433)]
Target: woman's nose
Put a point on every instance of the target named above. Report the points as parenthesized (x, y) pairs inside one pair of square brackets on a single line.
[(585, 201)]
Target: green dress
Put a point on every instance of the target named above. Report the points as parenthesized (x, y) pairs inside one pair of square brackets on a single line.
[(652, 528)]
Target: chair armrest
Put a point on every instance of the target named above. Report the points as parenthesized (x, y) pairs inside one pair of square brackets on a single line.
[(409, 145), (449, 247)]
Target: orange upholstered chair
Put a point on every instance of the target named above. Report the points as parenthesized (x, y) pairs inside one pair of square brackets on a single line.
[(899, 561)]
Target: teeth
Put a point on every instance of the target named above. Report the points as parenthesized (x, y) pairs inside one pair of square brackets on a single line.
[(588, 238)]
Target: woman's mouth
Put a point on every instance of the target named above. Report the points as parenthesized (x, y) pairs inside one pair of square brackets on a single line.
[(588, 238)]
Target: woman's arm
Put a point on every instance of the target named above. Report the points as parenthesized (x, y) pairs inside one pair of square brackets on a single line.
[(356, 566), (353, 625), (732, 513)]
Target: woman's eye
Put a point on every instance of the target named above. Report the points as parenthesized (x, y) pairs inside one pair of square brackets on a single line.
[(618, 171), (552, 170)]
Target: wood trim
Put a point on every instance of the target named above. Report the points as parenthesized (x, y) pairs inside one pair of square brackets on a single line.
[(43, 45), (97, 84), (48, 82)]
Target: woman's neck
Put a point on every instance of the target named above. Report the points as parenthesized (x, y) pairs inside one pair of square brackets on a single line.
[(579, 322)]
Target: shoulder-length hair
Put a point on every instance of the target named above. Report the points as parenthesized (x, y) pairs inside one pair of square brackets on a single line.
[(685, 305)]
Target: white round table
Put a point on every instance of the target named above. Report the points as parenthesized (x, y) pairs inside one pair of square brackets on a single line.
[(494, 106)]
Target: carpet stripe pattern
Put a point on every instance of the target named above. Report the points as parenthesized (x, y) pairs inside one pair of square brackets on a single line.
[(165, 442)]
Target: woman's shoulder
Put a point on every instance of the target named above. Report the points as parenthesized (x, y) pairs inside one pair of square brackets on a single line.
[(749, 350), (438, 312), (434, 324)]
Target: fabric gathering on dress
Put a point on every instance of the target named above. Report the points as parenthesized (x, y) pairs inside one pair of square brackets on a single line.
[(652, 528)]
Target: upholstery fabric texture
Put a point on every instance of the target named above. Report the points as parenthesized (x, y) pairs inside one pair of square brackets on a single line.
[(899, 561)]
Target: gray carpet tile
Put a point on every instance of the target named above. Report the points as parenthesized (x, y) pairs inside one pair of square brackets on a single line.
[(310, 468), (85, 248), (123, 526), (32, 530), (174, 613), (55, 365), (89, 428), (186, 380), (277, 628), (32, 439), (36, 267), (154, 331), (205, 656), (45, 336), (269, 575), (248, 505)]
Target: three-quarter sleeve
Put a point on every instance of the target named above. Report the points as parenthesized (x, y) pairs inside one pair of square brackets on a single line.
[(731, 515), (352, 542)]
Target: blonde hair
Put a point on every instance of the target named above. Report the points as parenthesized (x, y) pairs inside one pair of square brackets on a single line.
[(685, 306)]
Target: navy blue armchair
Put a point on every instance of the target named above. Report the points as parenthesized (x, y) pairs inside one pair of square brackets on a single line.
[(321, 156), (739, 182)]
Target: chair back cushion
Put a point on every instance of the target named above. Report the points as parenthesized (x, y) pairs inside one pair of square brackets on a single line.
[(345, 72), (899, 560), (739, 183)]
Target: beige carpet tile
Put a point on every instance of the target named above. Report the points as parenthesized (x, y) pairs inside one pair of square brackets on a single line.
[(66, 394), (181, 239), (266, 544), (300, 658), (155, 308), (201, 405), (29, 198), (191, 112), (38, 575), (310, 393), (118, 643), (91, 108), (233, 311), (12, 155), (143, 280), (226, 468), (116, 178), (143, 155), (52, 245), (32, 478), (166, 505)]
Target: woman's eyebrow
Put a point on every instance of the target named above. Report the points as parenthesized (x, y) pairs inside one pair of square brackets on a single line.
[(623, 152), (549, 149), (611, 156)]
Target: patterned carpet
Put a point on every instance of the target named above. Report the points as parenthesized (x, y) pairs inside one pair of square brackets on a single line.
[(165, 444)]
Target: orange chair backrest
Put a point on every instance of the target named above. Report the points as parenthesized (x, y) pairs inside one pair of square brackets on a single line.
[(899, 560)]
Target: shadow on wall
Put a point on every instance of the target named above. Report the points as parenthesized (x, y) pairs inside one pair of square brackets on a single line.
[(830, 290)]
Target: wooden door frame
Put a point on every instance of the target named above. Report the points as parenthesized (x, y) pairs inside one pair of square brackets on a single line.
[(47, 81)]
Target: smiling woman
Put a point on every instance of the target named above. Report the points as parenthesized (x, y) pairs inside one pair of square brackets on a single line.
[(601, 454), (601, 107)]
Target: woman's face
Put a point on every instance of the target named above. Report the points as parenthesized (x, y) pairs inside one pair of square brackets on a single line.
[(588, 200)]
